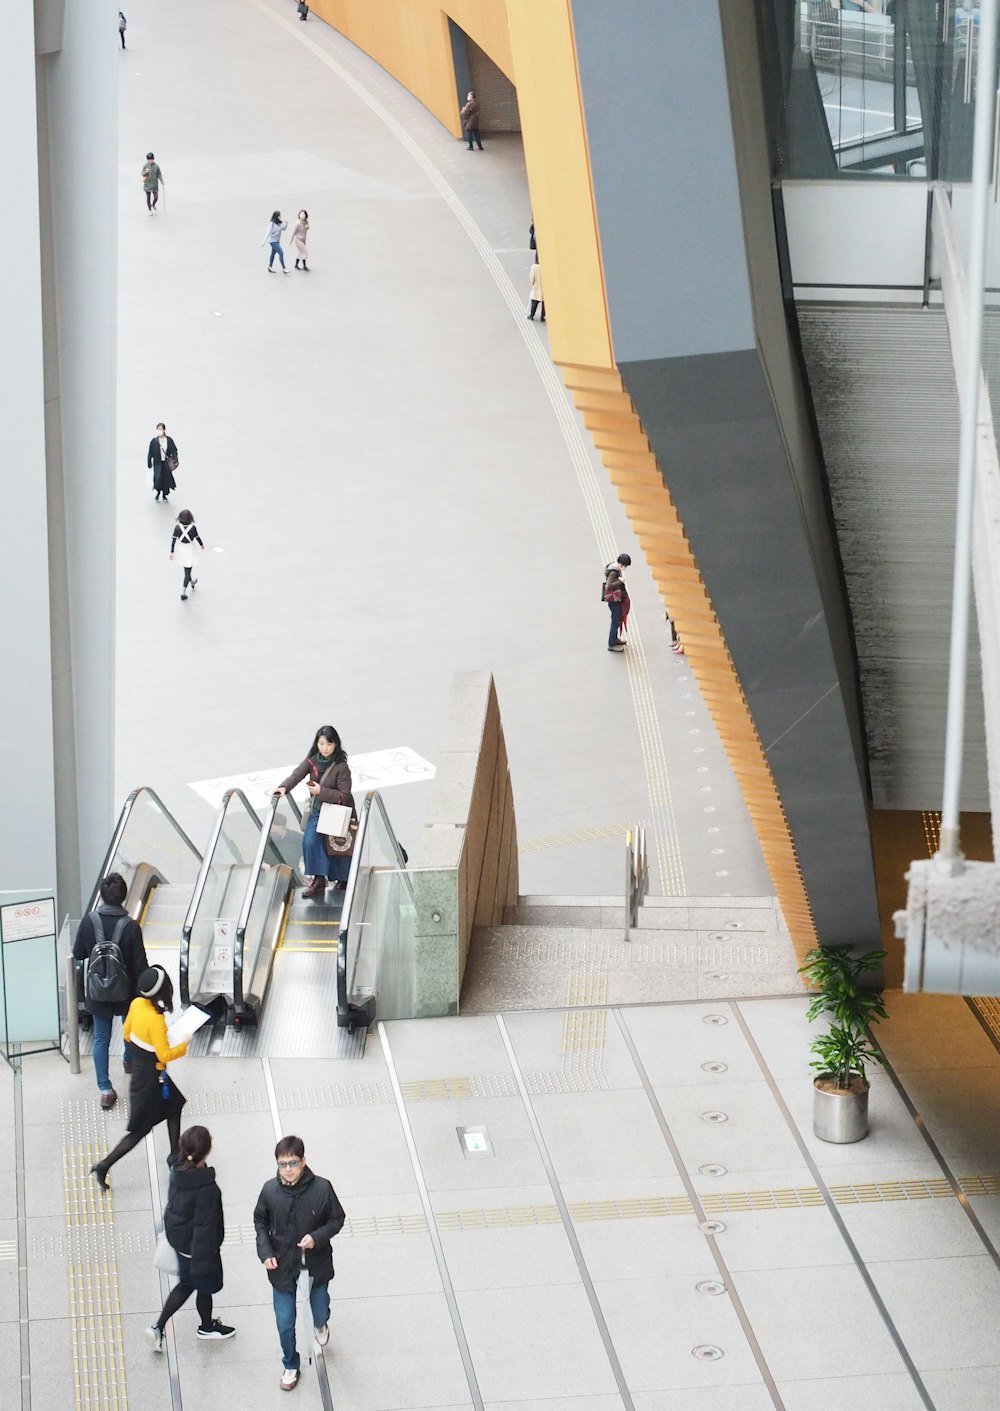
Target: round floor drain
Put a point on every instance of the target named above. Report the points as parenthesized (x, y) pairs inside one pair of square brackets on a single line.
[(717, 852), (713, 829), (713, 1116), (716, 974), (712, 1168), (702, 769), (721, 936), (685, 695), (705, 789), (723, 872), (706, 1352), (715, 1067), (711, 1227), (690, 713), (736, 925), (714, 1019), (710, 808), (713, 1287)]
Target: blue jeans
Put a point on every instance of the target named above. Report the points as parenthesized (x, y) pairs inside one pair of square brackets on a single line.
[(102, 1043), (315, 858), (276, 250), (284, 1316), (616, 622)]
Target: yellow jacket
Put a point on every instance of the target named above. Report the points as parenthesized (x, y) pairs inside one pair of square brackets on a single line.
[(146, 1027)]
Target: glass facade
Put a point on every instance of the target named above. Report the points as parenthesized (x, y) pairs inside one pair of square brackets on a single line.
[(872, 89)]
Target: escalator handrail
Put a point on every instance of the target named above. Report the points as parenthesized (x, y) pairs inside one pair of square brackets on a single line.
[(248, 896), (373, 798), (207, 863), (119, 833)]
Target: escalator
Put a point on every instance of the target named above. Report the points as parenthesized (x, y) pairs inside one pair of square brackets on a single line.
[(279, 975)]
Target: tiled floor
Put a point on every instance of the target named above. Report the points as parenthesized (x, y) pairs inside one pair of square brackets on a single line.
[(571, 1263)]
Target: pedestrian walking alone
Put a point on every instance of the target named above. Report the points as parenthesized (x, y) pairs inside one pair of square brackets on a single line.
[(614, 595), (162, 459), (470, 121), (622, 562), (111, 944), (296, 1216), (275, 231), (303, 10), (194, 1226), (329, 781), (152, 180), (536, 290), (182, 541), (299, 237), (153, 1096), (122, 22)]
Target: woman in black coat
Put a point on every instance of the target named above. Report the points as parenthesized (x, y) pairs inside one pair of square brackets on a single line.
[(194, 1226), (162, 459)]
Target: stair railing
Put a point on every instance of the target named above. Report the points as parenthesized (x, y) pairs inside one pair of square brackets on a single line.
[(636, 876)]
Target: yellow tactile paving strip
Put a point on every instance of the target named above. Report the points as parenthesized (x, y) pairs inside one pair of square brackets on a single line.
[(585, 835), (506, 1217), (94, 1297)]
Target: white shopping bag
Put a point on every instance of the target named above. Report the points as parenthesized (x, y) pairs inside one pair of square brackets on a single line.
[(305, 1336)]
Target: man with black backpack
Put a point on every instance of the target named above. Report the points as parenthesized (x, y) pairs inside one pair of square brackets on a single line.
[(111, 944)]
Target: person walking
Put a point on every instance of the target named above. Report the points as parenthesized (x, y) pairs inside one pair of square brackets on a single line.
[(614, 595), (296, 1216), (303, 10), (273, 238), (470, 121), (182, 541), (153, 1096), (122, 22), (152, 180), (329, 781), (162, 459), (299, 236), (195, 1228), (111, 945), (536, 290)]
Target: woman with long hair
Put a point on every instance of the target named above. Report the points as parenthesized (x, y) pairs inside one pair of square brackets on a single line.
[(328, 774), (195, 1228), (153, 1096), (275, 231), (299, 237)]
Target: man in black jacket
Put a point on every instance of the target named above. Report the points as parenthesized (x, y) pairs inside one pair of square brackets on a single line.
[(111, 910), (296, 1216)]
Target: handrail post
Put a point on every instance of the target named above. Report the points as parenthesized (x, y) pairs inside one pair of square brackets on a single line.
[(629, 884), (72, 1016)]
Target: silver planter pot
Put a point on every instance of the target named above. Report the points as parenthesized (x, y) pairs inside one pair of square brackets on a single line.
[(840, 1116)]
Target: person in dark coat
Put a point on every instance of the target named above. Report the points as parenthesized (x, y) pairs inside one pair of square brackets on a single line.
[(329, 776), (111, 910), (153, 1096), (162, 459), (470, 121), (194, 1226), (296, 1216)]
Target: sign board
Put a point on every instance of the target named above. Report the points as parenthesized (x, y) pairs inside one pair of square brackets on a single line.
[(26, 920), (29, 979), (475, 1141), (220, 960)]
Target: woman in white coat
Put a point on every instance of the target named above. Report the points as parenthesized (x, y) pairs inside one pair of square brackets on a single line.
[(299, 236)]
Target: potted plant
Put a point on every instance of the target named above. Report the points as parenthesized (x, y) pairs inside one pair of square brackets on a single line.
[(842, 1053)]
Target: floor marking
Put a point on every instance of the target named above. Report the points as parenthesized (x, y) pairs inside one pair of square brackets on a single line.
[(432, 1228), (379, 769), (665, 853), (585, 835), (567, 1220), (831, 1205), (701, 1214)]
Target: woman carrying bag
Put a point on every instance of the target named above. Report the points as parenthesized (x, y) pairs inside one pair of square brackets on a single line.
[(153, 1096), (329, 781), (162, 459), (194, 1228)]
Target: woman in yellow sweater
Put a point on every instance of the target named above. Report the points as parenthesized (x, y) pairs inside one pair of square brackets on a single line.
[(153, 1096)]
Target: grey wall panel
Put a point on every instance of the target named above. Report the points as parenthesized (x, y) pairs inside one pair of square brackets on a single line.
[(884, 391), (653, 80)]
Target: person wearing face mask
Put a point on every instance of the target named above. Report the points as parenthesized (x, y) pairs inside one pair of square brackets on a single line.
[(470, 121), (162, 459), (328, 777), (296, 1216)]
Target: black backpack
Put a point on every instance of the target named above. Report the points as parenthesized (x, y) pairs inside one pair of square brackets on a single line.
[(108, 980)]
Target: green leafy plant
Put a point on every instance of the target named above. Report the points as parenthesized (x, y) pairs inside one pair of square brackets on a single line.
[(837, 976)]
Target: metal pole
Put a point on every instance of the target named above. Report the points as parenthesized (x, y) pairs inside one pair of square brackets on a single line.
[(72, 1016), (628, 883), (962, 582)]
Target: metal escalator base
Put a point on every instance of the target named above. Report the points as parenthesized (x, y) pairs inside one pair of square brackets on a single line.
[(299, 1019)]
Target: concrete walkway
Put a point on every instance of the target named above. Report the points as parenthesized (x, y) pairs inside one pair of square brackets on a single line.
[(390, 482)]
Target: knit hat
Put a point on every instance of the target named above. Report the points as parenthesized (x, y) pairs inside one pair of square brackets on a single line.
[(151, 980)]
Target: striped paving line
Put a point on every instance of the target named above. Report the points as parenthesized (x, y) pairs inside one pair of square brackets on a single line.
[(585, 835), (94, 1296), (666, 844)]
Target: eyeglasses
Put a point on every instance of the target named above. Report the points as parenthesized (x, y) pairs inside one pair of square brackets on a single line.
[(290, 1165)]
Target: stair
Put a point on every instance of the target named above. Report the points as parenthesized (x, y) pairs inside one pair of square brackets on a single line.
[(559, 951)]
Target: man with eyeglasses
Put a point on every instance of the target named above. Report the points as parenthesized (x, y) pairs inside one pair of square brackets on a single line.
[(296, 1216)]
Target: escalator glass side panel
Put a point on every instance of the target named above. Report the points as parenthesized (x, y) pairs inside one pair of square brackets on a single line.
[(277, 863), (373, 918), (148, 845)]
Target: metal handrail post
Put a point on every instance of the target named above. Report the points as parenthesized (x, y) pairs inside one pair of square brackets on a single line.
[(630, 919), (72, 1016)]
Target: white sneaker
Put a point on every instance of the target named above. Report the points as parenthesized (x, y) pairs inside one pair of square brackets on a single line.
[(155, 1336), (289, 1379), (323, 1335)]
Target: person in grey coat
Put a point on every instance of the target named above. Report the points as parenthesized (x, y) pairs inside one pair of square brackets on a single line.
[(275, 231), (470, 121)]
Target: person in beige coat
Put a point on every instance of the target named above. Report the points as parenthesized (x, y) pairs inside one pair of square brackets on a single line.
[(299, 236), (536, 290)]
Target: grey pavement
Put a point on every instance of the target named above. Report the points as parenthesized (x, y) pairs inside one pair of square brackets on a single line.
[(377, 464)]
